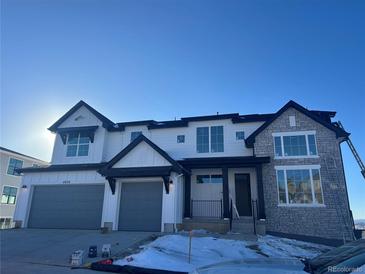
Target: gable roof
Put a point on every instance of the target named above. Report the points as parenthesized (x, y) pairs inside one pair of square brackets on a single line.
[(106, 122), (21, 154), (317, 116), (141, 138)]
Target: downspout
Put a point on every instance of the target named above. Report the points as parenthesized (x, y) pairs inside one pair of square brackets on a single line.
[(347, 195)]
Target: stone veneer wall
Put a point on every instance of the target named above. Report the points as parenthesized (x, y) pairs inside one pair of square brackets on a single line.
[(333, 221)]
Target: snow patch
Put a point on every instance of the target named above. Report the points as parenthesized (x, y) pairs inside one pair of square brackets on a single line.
[(170, 252)]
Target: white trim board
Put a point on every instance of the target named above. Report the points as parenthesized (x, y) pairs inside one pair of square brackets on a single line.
[(293, 133), (297, 167)]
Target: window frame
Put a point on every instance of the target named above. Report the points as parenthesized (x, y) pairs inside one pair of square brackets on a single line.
[(210, 178), (209, 144), (237, 133), (140, 132), (16, 195), (181, 136), (295, 133), (7, 169), (301, 167), (78, 144), (217, 135)]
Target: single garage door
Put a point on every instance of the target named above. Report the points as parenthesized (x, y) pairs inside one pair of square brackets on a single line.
[(67, 206), (141, 206)]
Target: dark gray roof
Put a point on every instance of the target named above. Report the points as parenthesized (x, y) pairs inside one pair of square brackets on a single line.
[(183, 122), (322, 117)]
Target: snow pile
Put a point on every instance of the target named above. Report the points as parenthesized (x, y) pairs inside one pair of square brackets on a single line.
[(171, 252), (287, 248)]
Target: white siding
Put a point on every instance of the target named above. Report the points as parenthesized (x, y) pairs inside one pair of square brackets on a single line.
[(82, 117), (207, 191), (166, 139)]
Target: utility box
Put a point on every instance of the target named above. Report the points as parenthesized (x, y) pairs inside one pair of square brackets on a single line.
[(106, 251), (93, 251), (77, 258)]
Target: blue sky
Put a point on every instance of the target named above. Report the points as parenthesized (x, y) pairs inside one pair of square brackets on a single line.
[(158, 60)]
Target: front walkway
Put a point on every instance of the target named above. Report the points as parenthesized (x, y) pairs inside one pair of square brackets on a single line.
[(41, 251)]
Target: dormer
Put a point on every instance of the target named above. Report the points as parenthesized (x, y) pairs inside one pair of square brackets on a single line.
[(80, 135)]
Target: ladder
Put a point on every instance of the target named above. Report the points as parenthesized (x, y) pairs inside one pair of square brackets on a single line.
[(354, 152)]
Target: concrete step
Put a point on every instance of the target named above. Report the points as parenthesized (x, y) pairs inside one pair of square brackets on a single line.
[(241, 227), (245, 220)]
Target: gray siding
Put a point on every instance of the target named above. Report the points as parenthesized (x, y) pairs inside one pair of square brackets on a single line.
[(332, 221)]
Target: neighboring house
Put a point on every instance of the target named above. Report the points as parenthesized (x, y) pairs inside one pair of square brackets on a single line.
[(10, 182), (282, 172)]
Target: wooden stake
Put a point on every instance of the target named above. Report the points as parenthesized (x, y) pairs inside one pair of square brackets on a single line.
[(190, 236)]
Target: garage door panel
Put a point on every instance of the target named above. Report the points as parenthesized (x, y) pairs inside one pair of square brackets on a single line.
[(71, 206), (141, 206)]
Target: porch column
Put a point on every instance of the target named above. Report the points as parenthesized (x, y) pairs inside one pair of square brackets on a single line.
[(260, 193), (225, 193), (187, 183)]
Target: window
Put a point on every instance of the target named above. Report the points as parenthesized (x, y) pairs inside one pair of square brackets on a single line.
[(216, 139), (292, 122), (202, 139), (13, 165), (135, 134), (209, 179), (5, 223), (278, 148), (77, 144), (9, 195), (240, 135), (312, 145), (295, 144), (181, 139), (299, 186)]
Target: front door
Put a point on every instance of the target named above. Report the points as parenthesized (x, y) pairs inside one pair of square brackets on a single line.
[(243, 194)]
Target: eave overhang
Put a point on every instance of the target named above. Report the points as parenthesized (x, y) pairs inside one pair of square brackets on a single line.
[(64, 167), (219, 162), (318, 116), (88, 130)]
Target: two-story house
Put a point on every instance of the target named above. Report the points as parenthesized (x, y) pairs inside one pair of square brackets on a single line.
[(280, 172), (10, 181)]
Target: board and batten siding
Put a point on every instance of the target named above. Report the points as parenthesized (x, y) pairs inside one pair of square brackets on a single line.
[(167, 139), (82, 117)]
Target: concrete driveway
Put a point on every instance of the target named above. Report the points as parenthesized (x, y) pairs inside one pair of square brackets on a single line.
[(41, 251)]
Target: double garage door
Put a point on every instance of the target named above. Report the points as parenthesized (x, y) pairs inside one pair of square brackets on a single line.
[(67, 206), (80, 206)]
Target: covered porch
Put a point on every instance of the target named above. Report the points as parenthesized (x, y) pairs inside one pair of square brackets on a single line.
[(223, 189)]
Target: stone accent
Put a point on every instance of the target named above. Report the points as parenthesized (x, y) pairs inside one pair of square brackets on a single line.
[(332, 221)]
